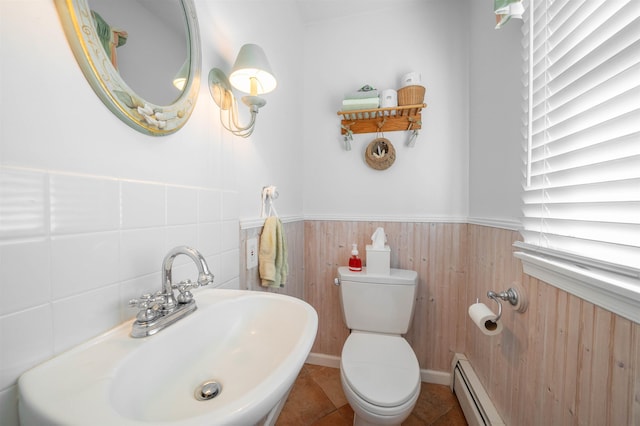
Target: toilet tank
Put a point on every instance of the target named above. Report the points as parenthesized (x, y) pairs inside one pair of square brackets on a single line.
[(378, 303)]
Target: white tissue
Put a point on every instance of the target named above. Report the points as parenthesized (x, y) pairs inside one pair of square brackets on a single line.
[(378, 238)]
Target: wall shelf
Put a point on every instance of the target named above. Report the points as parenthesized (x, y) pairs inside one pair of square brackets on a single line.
[(406, 117)]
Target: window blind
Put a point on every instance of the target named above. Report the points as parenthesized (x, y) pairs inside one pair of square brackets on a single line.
[(581, 198)]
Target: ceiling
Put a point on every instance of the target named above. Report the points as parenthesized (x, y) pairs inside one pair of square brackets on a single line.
[(321, 10)]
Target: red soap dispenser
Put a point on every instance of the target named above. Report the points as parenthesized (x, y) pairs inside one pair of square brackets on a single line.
[(355, 263)]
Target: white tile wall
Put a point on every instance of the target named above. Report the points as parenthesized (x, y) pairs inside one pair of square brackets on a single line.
[(230, 267), (25, 275), (182, 235), (210, 238), (84, 262), (143, 205), (80, 317), (24, 207), (27, 339), (75, 248), (229, 238), (230, 206), (182, 205), (83, 204), (209, 206), (141, 252)]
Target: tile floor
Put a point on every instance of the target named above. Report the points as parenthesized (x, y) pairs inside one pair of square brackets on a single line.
[(317, 399)]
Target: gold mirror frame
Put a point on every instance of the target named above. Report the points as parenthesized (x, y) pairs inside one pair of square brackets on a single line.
[(142, 115)]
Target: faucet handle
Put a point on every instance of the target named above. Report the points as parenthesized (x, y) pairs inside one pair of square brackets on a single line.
[(147, 301), (149, 305), (185, 287)]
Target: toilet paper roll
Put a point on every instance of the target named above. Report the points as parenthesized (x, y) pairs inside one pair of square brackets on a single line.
[(482, 316)]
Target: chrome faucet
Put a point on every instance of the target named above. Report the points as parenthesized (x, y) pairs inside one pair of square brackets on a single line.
[(163, 308)]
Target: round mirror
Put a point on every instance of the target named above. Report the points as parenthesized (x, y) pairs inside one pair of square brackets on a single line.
[(142, 57)]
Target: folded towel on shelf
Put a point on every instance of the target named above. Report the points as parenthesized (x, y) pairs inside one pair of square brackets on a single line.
[(364, 92), (366, 103), (272, 255), (361, 94)]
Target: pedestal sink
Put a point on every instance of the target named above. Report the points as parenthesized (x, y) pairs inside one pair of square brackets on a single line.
[(251, 344)]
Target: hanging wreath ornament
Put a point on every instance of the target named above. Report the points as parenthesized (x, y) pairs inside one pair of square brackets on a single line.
[(380, 153)]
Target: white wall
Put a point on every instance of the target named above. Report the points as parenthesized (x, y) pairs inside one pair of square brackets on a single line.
[(377, 47), (466, 163), (495, 71), (89, 206), (271, 156)]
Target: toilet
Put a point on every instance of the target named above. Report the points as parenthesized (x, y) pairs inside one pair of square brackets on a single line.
[(379, 371)]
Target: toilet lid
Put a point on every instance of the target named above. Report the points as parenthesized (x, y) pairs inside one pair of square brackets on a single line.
[(381, 369)]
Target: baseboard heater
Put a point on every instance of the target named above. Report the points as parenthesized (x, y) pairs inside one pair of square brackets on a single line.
[(476, 405)]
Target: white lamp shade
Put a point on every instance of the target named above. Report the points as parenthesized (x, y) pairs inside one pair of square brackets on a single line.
[(252, 63)]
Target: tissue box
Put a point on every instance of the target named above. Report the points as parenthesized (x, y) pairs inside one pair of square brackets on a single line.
[(378, 260)]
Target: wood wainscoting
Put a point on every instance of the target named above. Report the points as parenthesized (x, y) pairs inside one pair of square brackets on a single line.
[(563, 362), (437, 251)]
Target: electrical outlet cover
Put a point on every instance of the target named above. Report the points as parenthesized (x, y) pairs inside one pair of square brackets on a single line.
[(252, 253)]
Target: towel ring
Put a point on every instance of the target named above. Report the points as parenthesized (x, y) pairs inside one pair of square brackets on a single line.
[(269, 194)]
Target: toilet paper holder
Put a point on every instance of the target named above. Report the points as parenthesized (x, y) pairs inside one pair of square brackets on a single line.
[(510, 295)]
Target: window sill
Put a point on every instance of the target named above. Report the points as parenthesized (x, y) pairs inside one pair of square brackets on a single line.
[(616, 293)]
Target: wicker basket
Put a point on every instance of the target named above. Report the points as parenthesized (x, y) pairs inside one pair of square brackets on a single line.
[(380, 154), (411, 95)]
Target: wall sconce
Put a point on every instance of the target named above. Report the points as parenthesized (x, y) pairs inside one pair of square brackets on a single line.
[(251, 74)]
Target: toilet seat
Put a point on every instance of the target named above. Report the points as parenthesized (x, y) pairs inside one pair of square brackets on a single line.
[(374, 413), (380, 369)]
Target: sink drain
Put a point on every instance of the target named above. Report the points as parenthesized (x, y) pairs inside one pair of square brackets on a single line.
[(208, 390)]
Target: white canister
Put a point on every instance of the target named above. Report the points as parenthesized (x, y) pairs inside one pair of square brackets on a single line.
[(411, 79), (388, 98)]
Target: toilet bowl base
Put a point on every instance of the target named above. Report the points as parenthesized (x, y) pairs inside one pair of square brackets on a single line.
[(362, 411)]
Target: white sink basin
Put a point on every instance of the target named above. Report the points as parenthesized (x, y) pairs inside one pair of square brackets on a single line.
[(253, 344)]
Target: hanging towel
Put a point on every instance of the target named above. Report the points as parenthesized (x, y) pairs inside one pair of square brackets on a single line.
[(273, 254)]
